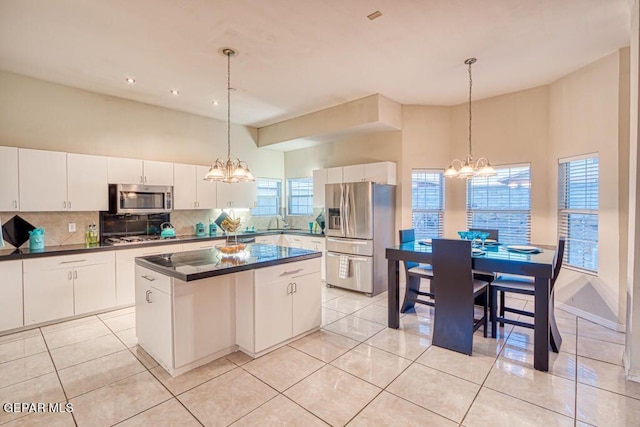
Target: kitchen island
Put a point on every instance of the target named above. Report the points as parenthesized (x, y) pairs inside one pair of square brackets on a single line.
[(194, 307)]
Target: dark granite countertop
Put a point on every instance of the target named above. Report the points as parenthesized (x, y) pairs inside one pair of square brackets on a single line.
[(203, 263), (13, 254)]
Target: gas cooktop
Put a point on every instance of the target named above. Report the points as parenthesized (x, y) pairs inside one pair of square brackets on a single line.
[(132, 240)]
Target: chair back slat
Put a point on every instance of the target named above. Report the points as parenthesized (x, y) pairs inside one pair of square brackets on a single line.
[(408, 235), (557, 261), (452, 275)]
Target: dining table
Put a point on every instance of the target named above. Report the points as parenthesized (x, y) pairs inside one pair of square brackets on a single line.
[(498, 258)]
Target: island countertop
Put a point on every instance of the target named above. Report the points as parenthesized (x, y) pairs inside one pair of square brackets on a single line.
[(200, 264)]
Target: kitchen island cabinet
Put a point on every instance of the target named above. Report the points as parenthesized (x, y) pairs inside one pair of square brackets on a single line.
[(194, 307)]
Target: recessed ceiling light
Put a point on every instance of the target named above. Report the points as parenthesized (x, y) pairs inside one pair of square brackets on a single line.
[(216, 102), (130, 80), (174, 92), (374, 15)]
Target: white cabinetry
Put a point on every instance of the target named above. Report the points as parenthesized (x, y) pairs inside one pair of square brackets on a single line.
[(125, 269), (190, 190), (58, 287), (287, 302), (87, 184), (319, 181), (271, 239), (334, 175), (135, 171), (9, 200), (238, 195), (353, 173), (204, 244), (43, 180), (316, 244), (11, 301)]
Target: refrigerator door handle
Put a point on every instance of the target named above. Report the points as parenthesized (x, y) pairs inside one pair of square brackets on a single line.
[(341, 217), (346, 209), (354, 242)]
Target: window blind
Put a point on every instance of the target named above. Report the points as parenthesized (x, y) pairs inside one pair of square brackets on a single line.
[(578, 198), (300, 196), (502, 202), (268, 196), (427, 203)]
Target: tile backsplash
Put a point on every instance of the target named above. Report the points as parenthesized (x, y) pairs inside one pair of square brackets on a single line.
[(56, 225), (56, 233)]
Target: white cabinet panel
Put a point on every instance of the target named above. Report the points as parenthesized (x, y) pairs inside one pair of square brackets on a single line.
[(204, 244), (125, 171), (272, 313), (307, 303), (94, 287), (206, 190), (158, 173), (43, 180), (353, 173), (238, 195), (9, 201), (334, 175), (11, 302), (184, 186), (319, 181), (48, 294), (87, 182), (381, 172), (272, 239)]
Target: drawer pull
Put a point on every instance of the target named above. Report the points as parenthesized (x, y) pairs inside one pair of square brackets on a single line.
[(286, 273), (70, 262), (149, 278), (148, 296), (351, 242)]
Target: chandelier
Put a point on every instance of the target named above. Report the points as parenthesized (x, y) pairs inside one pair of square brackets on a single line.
[(229, 170), (467, 168)]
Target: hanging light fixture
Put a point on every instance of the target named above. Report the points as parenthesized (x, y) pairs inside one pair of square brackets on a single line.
[(229, 170), (468, 168)]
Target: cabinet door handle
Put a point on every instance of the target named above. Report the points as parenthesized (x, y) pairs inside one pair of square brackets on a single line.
[(75, 274), (149, 278), (295, 288), (145, 179), (64, 204), (69, 204), (289, 288), (15, 204), (71, 262), (141, 179), (286, 273), (148, 297), (69, 276)]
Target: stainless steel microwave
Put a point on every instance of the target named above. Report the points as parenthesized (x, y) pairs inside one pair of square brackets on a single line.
[(140, 199)]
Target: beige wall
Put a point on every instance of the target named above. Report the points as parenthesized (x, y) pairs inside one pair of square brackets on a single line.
[(583, 118), (43, 115)]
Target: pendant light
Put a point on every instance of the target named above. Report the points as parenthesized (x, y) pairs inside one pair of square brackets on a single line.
[(468, 168), (229, 171)]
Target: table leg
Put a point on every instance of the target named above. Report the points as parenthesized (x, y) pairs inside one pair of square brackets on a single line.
[(393, 294), (556, 339), (541, 325)]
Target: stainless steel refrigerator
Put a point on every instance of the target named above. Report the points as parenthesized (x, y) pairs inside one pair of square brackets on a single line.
[(360, 224)]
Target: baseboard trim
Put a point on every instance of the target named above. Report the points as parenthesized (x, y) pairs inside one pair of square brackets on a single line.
[(619, 327)]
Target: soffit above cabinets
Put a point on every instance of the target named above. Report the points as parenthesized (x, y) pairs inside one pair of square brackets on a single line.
[(374, 113), (296, 57)]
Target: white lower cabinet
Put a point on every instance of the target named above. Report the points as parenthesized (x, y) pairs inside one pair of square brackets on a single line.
[(11, 301), (63, 286), (184, 324), (286, 301), (271, 239), (317, 244), (125, 269)]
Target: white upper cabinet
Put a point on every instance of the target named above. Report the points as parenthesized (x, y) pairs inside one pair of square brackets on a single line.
[(237, 195), (43, 180), (319, 181), (157, 173), (125, 171), (9, 200), (135, 171), (184, 187), (207, 191), (353, 173), (190, 190), (334, 175), (381, 172), (87, 187)]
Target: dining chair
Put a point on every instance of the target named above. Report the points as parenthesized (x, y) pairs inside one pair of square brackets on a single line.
[(488, 276), (454, 318), (414, 273), (523, 285)]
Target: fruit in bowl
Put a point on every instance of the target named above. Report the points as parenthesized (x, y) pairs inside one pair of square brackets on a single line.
[(231, 249)]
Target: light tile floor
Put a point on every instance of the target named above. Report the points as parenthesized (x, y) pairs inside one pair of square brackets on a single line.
[(355, 371)]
